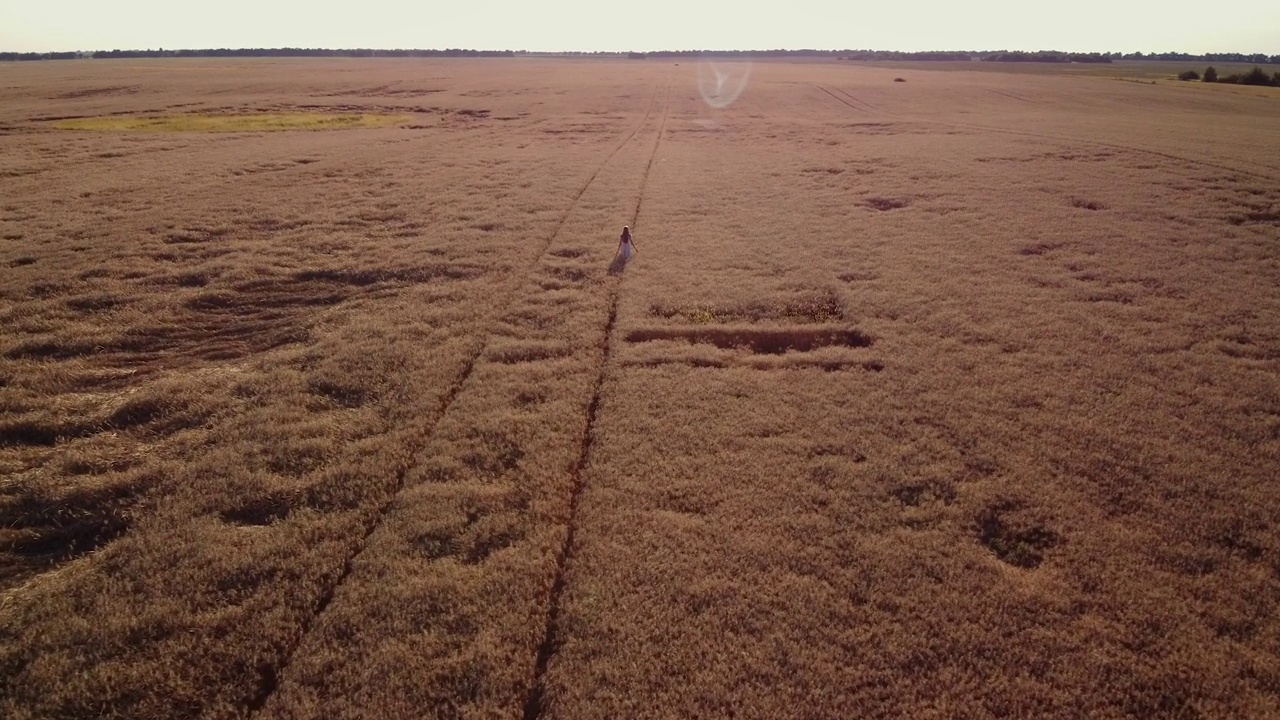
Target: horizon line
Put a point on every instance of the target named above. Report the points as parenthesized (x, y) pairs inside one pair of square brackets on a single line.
[(792, 50)]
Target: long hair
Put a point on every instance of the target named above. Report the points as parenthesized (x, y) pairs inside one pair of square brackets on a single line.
[(626, 233)]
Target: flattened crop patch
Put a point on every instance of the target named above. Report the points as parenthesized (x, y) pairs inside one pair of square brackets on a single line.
[(218, 123), (40, 531), (812, 308), (1015, 537), (768, 341), (884, 204)]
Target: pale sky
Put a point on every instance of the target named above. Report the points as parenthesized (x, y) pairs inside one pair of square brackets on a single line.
[(1078, 25)]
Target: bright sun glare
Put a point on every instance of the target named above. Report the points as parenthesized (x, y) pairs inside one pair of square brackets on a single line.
[(722, 82)]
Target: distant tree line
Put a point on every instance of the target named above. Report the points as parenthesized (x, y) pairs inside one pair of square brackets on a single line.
[(254, 52), (743, 54), (1047, 56), (43, 56), (1242, 58), (1256, 76), (896, 55), (1043, 56), (1054, 56), (934, 55)]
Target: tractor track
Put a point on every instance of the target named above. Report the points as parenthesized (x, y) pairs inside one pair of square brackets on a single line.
[(863, 106), (272, 675), (535, 702), (1011, 96), (565, 217), (1062, 138)]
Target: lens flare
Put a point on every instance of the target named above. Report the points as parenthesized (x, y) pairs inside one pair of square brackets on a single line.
[(722, 83)]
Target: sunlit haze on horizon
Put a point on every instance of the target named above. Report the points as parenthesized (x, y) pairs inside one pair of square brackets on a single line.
[(1250, 26)]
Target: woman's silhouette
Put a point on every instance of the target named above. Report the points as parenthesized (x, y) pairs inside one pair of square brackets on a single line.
[(626, 246)]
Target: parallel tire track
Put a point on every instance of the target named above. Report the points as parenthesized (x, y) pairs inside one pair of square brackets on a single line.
[(581, 191), (1117, 146), (866, 107), (1082, 141), (535, 703), (1011, 96), (272, 674)]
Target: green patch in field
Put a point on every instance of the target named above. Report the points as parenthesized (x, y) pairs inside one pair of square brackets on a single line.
[(257, 122)]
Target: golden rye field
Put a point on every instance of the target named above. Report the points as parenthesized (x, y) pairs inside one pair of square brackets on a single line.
[(953, 397)]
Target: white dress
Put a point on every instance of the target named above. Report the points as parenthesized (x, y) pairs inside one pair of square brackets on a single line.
[(624, 251)]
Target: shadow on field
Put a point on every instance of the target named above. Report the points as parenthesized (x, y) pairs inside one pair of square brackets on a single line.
[(38, 531), (1014, 535), (762, 341), (812, 307)]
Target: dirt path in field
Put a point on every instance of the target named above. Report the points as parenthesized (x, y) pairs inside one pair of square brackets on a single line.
[(450, 396), (534, 705)]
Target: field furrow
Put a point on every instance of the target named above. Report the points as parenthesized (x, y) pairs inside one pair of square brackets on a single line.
[(534, 702), (486, 330), (476, 534)]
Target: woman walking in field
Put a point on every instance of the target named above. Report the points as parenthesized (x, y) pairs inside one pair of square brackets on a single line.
[(625, 245)]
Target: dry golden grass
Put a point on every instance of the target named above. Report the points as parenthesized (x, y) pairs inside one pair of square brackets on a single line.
[(948, 398)]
